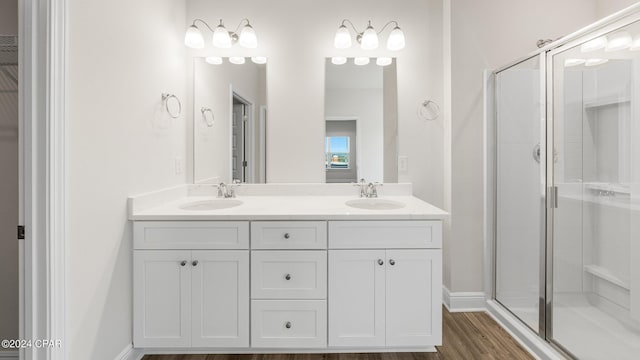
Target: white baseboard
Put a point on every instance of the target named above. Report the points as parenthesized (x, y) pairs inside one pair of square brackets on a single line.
[(129, 353), (9, 355), (463, 301)]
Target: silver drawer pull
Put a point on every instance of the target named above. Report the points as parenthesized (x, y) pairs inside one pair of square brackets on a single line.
[(286, 235), (183, 263), (392, 262), (288, 325), (195, 263), (380, 262), (288, 276)]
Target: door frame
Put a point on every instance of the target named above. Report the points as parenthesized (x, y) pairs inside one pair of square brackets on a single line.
[(247, 131), (43, 174)]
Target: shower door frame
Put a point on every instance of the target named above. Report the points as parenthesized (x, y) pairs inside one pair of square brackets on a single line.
[(542, 343)]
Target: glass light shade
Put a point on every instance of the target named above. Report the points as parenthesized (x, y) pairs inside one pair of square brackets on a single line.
[(395, 41), (595, 44), (193, 38), (238, 60), (213, 60), (343, 38), (594, 62), (259, 59), (384, 61), (573, 62), (221, 37), (635, 45), (361, 61), (248, 37), (338, 60), (369, 39), (619, 41)]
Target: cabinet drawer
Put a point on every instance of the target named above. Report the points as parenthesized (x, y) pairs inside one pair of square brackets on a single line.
[(191, 234), (385, 234), (292, 323), (289, 274), (288, 235)]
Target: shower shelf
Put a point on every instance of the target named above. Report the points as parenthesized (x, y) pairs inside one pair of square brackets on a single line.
[(606, 101), (606, 274)]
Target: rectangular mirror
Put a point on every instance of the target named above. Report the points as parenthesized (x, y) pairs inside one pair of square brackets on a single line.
[(361, 116), (230, 113)]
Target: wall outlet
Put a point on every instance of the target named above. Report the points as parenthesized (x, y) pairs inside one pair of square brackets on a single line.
[(179, 165), (403, 164)]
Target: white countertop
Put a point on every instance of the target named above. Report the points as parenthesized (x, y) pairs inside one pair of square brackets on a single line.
[(166, 206)]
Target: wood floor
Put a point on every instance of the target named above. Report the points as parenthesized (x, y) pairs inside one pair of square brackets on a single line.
[(466, 336)]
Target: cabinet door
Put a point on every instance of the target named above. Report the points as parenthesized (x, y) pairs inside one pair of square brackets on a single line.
[(356, 298), (162, 294), (414, 297), (220, 298)]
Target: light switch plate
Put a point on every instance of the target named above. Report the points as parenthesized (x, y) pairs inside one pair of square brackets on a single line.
[(179, 166), (403, 164)]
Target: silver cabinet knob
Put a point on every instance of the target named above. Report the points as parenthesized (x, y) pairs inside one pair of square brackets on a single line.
[(288, 325), (380, 262), (288, 276), (183, 263), (392, 262), (286, 235), (195, 263)]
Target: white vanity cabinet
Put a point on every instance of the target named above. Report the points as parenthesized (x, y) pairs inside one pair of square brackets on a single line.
[(191, 297), (385, 292)]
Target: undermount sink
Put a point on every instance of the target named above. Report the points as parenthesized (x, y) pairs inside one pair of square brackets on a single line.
[(375, 204), (217, 204)]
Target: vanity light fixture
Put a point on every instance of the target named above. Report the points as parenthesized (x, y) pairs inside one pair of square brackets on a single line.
[(361, 61), (238, 60), (618, 41), (368, 39), (595, 44), (338, 60), (573, 62), (213, 60), (259, 60), (222, 38), (384, 61), (594, 62)]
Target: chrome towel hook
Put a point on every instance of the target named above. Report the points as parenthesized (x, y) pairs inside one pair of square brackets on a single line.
[(428, 110), (166, 97), (204, 112)]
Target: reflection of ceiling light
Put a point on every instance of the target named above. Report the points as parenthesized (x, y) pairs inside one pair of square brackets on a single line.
[(238, 60), (222, 38), (213, 60), (368, 39), (595, 44), (361, 60), (619, 41), (383, 61), (573, 62), (635, 45), (338, 60), (594, 62), (259, 59)]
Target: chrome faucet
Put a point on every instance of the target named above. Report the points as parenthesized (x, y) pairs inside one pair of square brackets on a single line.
[(227, 190), (369, 190)]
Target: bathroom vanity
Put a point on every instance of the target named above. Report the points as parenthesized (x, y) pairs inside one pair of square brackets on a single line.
[(301, 272)]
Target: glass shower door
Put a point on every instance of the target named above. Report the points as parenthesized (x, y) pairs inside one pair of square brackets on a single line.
[(520, 189), (595, 298)]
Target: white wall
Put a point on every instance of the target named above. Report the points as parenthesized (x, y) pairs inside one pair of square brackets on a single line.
[(122, 55), (297, 37), (486, 35), (8, 187), (212, 89)]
